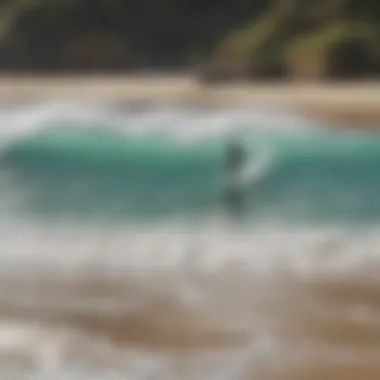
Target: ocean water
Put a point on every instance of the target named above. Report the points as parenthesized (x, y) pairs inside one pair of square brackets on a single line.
[(121, 259)]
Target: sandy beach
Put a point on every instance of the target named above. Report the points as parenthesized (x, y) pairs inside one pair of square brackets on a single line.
[(349, 104)]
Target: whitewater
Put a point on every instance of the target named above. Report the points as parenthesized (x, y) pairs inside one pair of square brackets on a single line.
[(120, 260)]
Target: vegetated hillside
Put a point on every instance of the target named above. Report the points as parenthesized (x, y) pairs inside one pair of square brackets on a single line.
[(306, 39), (248, 38)]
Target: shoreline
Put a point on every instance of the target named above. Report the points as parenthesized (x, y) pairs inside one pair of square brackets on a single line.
[(342, 104)]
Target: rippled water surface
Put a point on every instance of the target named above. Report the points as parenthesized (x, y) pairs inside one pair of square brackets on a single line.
[(120, 260)]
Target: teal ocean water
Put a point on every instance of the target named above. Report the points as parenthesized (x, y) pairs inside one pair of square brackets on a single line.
[(108, 169), (121, 259)]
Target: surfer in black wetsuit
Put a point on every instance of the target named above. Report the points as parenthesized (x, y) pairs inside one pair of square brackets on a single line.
[(236, 158)]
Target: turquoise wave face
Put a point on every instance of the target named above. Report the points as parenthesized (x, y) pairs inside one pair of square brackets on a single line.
[(103, 172), (305, 176), (320, 176)]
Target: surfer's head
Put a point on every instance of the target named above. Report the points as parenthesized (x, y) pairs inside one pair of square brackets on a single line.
[(235, 153), (234, 146)]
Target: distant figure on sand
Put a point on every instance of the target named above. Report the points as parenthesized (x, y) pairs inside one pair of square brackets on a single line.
[(236, 158)]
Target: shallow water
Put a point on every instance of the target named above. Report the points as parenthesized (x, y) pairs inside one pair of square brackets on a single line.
[(119, 259)]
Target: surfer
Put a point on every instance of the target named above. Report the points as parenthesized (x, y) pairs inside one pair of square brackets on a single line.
[(236, 158)]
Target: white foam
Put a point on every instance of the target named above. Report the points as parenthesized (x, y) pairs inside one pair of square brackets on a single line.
[(114, 251), (182, 123), (45, 348)]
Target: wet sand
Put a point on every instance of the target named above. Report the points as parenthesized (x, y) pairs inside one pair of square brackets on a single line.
[(343, 104), (327, 330)]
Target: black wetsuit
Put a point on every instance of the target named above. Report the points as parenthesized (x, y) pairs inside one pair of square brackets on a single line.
[(235, 158), (233, 194)]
